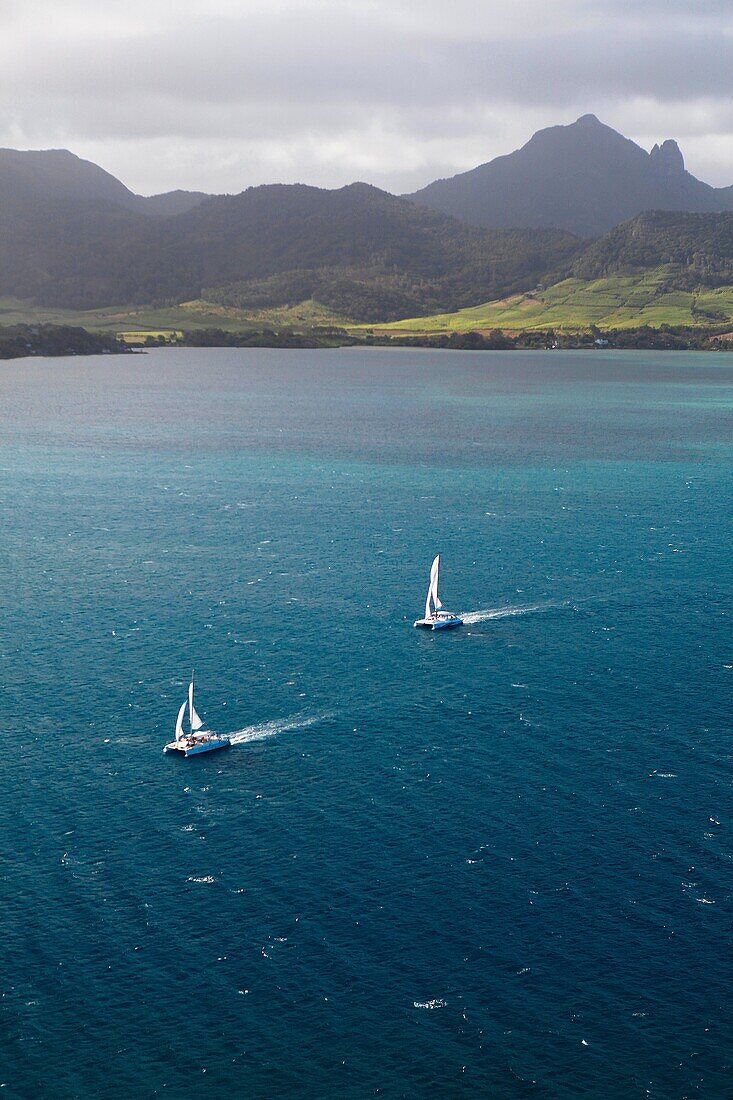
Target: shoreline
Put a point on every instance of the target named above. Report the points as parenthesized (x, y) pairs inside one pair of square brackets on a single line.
[(49, 340)]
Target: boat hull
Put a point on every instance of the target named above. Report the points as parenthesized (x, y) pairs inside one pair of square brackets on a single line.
[(210, 744), (439, 622)]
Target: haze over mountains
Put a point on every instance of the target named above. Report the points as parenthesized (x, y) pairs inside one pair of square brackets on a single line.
[(72, 235)]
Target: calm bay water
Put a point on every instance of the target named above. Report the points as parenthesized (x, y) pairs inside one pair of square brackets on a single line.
[(496, 862)]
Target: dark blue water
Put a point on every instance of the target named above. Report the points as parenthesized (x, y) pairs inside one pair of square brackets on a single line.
[(496, 862)]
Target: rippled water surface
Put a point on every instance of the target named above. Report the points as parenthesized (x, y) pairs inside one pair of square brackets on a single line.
[(493, 862)]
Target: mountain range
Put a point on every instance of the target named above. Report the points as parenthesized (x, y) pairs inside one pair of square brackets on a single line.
[(72, 235), (364, 253)]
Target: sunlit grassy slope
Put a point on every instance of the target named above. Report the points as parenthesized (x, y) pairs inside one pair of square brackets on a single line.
[(619, 301), (188, 315)]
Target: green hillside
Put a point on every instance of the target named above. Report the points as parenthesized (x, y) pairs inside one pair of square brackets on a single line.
[(697, 249), (408, 271), (195, 314), (619, 301), (358, 250), (573, 305)]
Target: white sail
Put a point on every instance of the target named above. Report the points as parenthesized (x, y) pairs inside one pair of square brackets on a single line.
[(434, 571), (196, 722), (433, 588), (179, 721)]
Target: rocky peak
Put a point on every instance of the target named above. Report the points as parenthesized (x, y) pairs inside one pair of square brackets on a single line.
[(668, 158)]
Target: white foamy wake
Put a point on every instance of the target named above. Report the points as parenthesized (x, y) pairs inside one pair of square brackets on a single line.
[(264, 730), (471, 617)]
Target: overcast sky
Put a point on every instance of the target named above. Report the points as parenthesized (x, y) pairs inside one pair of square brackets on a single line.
[(217, 95)]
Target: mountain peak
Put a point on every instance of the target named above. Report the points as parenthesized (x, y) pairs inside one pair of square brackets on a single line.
[(585, 177), (668, 158), (59, 174)]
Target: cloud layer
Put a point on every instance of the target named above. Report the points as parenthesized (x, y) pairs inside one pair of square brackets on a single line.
[(228, 93)]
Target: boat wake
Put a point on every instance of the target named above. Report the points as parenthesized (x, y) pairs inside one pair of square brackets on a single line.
[(264, 730), (472, 617)]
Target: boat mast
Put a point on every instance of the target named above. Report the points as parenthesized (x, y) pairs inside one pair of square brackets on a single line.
[(191, 711)]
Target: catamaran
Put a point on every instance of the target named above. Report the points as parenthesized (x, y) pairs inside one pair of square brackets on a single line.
[(436, 618), (197, 739)]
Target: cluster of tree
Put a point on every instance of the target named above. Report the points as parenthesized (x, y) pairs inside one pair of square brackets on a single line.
[(365, 253), (666, 338), (60, 340), (369, 294), (698, 248), (317, 337), (496, 340), (371, 257), (17, 341), (644, 338)]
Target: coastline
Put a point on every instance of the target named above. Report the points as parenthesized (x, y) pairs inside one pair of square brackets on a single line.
[(28, 341)]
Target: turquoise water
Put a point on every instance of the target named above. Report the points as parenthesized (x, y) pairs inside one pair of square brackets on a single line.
[(495, 862)]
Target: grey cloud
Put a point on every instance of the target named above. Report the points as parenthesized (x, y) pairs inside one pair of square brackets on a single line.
[(428, 88), (220, 67)]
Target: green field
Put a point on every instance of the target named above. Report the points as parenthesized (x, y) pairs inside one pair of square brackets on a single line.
[(620, 301), (142, 321), (616, 302)]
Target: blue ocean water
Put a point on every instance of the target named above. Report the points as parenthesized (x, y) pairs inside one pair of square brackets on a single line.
[(493, 862)]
